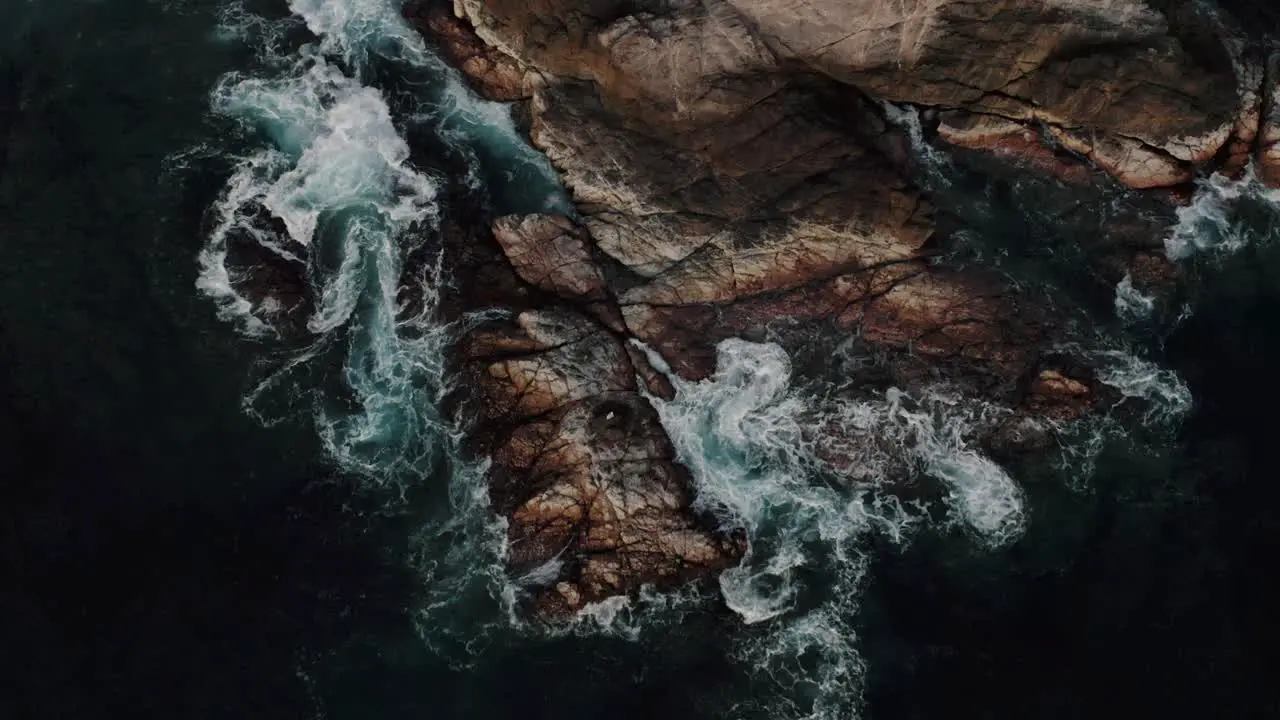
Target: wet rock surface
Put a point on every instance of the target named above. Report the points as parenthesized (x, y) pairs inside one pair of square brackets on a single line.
[(581, 465), (742, 168)]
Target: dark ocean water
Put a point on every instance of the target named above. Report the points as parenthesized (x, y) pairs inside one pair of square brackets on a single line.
[(165, 555)]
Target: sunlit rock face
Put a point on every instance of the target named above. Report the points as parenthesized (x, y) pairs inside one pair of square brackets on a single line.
[(1149, 93), (752, 168)]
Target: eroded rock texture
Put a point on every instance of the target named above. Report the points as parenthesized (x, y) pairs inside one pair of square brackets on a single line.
[(1148, 90), (736, 172), (581, 465)]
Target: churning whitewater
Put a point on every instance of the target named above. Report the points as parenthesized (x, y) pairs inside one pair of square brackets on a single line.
[(332, 194), (807, 473), (809, 477)]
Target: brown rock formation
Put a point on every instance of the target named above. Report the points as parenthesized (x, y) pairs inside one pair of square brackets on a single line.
[(581, 466), (735, 174), (944, 316), (549, 252), (1059, 397), (1014, 142)]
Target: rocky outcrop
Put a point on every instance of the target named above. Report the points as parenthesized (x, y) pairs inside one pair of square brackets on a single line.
[(1268, 139), (1149, 95), (549, 252), (740, 169), (493, 74), (581, 466)]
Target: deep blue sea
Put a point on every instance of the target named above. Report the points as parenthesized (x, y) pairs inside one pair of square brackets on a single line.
[(207, 514)]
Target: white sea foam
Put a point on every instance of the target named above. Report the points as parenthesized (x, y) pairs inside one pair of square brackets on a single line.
[(1210, 223), (937, 434), (936, 166), (1165, 394), (631, 618), (344, 148), (215, 279), (1160, 395), (500, 160), (808, 478), (337, 176), (267, 37), (1131, 305), (332, 189)]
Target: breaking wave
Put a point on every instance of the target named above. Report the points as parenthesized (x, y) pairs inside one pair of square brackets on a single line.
[(811, 474), (1132, 306), (330, 198), (334, 197), (1147, 404), (809, 478), (1224, 216), (1164, 395)]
